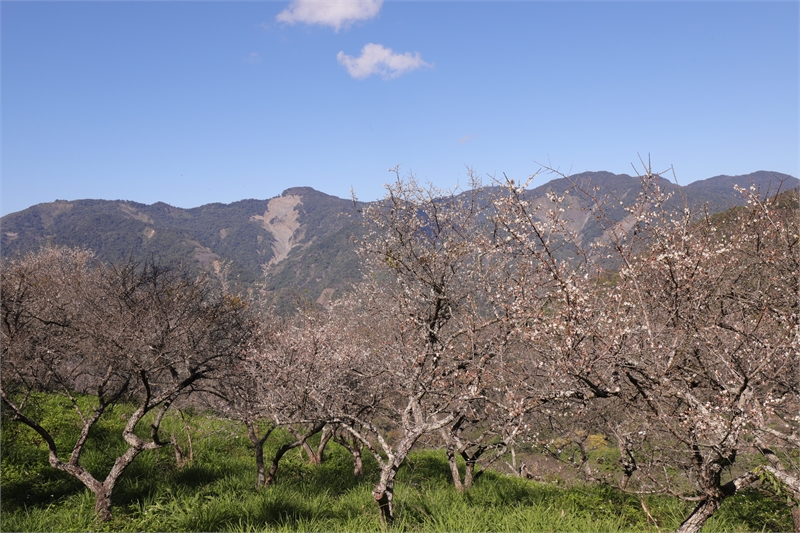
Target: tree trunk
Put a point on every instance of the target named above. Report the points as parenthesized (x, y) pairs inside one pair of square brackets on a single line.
[(384, 490), (313, 458), (469, 474), (384, 493), (261, 478), (301, 441), (701, 513), (181, 458), (796, 517), (358, 462), (136, 446), (316, 457), (355, 448), (102, 504), (324, 439), (258, 446), (180, 454), (273, 469), (513, 464), (454, 473), (707, 507)]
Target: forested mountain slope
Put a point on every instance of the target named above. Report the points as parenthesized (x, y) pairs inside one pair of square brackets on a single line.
[(302, 242)]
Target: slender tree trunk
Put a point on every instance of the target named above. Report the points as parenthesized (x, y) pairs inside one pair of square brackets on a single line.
[(313, 458), (103, 490), (324, 439), (258, 446), (301, 441), (273, 469), (355, 448), (136, 446), (358, 462), (180, 455), (261, 477), (469, 474), (470, 461), (316, 457), (629, 466), (454, 473), (513, 464), (181, 458)]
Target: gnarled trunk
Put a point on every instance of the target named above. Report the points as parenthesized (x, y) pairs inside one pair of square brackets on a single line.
[(102, 504), (701, 513), (301, 440), (384, 490), (273, 469), (384, 493), (324, 439), (715, 494)]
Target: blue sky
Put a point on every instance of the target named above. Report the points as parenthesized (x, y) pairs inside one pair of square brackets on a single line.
[(198, 102)]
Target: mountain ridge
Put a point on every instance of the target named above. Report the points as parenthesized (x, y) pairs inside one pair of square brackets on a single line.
[(300, 243)]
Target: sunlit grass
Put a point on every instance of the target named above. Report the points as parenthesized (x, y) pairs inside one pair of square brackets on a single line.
[(216, 492)]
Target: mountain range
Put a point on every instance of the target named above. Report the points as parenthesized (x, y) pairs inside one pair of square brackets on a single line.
[(303, 242)]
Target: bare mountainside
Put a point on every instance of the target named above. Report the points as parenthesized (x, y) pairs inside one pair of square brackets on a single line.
[(301, 243)]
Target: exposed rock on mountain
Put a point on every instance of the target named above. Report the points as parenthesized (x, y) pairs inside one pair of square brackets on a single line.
[(300, 244)]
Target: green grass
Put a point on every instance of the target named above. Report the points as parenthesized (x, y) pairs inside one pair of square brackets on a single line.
[(216, 492)]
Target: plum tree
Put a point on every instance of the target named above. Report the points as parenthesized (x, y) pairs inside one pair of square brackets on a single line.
[(136, 333)]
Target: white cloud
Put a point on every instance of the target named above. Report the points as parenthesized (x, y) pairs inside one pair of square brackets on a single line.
[(376, 59), (335, 13), (253, 58)]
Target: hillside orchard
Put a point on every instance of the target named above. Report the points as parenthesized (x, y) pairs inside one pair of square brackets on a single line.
[(485, 324)]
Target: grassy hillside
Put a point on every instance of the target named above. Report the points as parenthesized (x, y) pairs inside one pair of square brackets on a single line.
[(214, 491)]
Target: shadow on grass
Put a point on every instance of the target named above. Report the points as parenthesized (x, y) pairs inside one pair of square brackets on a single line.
[(217, 493), (195, 476), (48, 486)]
